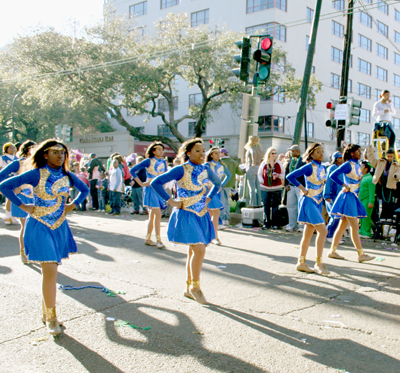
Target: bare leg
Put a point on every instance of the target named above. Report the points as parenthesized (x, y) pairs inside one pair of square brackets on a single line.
[(188, 274), (322, 232), (196, 264), (214, 218), (337, 237), (49, 284), (24, 259), (49, 289), (355, 237), (304, 245), (157, 225), (150, 226)]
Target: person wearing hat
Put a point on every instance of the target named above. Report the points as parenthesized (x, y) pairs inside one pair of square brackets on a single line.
[(330, 193), (293, 192), (233, 168)]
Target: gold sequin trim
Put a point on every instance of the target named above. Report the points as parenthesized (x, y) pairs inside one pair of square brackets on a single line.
[(152, 168), (302, 259)]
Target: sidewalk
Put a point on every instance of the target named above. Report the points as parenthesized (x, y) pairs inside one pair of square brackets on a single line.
[(264, 317)]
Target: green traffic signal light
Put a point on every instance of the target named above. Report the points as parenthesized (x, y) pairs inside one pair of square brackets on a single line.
[(243, 59)]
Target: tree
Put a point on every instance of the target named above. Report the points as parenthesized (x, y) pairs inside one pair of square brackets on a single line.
[(112, 68)]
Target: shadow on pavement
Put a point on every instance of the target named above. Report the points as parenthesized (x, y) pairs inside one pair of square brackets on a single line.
[(338, 354)]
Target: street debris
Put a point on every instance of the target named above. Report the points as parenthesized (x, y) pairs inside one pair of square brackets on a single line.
[(221, 266), (379, 259), (110, 318), (109, 293), (34, 342), (122, 323)]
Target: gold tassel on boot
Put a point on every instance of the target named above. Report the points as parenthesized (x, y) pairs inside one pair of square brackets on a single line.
[(196, 292)]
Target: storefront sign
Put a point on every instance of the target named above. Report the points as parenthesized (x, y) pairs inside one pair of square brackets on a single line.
[(88, 140)]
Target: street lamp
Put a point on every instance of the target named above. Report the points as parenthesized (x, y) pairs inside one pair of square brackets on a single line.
[(12, 118)]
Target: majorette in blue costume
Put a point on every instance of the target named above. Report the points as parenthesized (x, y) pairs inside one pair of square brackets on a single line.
[(25, 191), (47, 236), (347, 206), (8, 157), (215, 206), (155, 165), (190, 221), (310, 206)]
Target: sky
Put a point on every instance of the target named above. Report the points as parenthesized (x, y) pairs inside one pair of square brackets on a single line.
[(19, 16)]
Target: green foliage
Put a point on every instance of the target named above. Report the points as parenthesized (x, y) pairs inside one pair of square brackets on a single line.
[(111, 68)]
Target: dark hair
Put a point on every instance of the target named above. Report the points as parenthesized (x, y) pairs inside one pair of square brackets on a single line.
[(37, 159), (119, 158), (390, 151), (310, 150), (186, 147), (210, 151), (150, 149), (383, 92), (367, 166), (24, 148), (351, 148)]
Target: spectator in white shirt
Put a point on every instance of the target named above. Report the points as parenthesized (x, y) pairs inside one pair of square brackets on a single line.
[(383, 111), (116, 188)]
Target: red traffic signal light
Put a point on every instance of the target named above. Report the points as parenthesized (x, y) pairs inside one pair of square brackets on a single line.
[(329, 105), (266, 44)]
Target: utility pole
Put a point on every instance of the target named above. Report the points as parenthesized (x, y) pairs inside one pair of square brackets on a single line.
[(341, 127), (307, 73)]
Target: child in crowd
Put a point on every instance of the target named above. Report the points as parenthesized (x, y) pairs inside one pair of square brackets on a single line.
[(102, 186), (116, 183)]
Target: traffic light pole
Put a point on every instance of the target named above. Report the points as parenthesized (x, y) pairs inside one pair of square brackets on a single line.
[(341, 128), (307, 74)]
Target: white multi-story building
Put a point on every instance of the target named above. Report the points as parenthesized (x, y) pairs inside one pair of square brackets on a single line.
[(374, 65)]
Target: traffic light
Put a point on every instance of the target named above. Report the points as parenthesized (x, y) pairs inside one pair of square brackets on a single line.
[(243, 59), (263, 56), (68, 133), (353, 118), (58, 131), (331, 122)]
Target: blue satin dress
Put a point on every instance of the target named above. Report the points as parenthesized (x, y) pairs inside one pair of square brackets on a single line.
[(26, 194), (224, 175), (347, 203), (191, 224), (47, 236), (310, 206), (154, 167)]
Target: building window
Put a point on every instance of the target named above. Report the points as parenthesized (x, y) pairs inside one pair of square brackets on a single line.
[(396, 102), (363, 139), (310, 130), (338, 4), (312, 70), (191, 132), (138, 10), (383, 7), (336, 55), (279, 96), (381, 51), (310, 15), (141, 131), (396, 58), (275, 29), (397, 15), (140, 31), (349, 86), (200, 18), (381, 74), (271, 123), (382, 28), (163, 104), (364, 66), (335, 81), (168, 3), (363, 90), (257, 5), (365, 19), (196, 99), (396, 80), (307, 42), (377, 93), (365, 115), (337, 29), (396, 123), (364, 42), (397, 37), (164, 130)]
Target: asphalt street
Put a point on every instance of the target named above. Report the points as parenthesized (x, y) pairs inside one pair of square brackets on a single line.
[(263, 316)]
